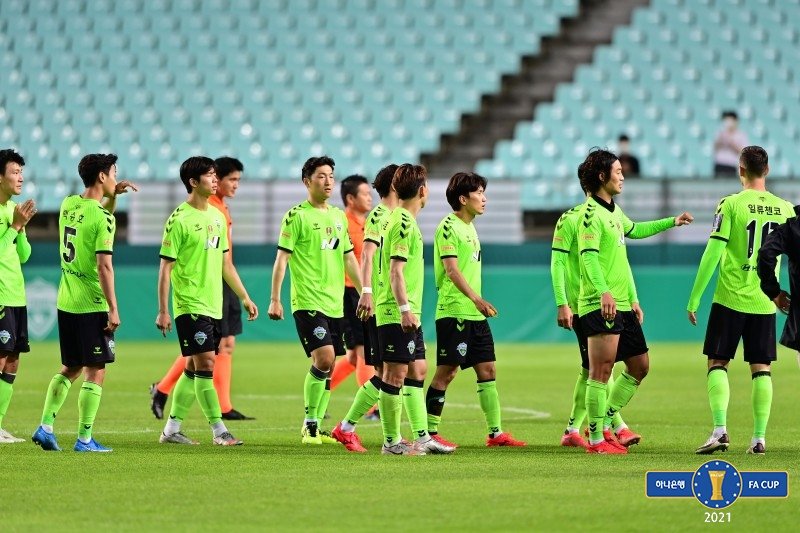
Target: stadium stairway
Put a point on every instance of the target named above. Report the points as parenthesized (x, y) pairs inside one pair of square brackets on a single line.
[(535, 83)]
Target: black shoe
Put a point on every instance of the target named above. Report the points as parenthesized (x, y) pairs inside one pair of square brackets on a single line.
[(233, 414), (159, 401)]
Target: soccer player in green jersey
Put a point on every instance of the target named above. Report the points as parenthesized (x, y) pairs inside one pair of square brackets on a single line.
[(14, 252), (398, 308), (87, 305), (463, 336), (315, 245), (368, 393), (195, 260), (607, 318), (740, 310)]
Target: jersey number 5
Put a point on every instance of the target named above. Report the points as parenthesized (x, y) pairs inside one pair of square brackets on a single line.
[(766, 229), (69, 246)]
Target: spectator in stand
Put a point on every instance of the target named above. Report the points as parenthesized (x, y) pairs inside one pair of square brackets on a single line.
[(728, 145)]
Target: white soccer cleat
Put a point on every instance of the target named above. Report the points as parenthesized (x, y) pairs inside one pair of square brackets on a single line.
[(431, 445), (226, 439), (176, 438), (8, 438), (402, 448)]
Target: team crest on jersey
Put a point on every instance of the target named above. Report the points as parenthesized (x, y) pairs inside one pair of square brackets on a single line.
[(200, 338), (5, 336), (339, 226), (411, 346), (329, 231), (112, 346), (462, 349), (319, 332)]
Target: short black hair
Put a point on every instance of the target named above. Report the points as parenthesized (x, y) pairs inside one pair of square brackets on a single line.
[(383, 180), (729, 113), (461, 184), (194, 167), (9, 156), (92, 165), (623, 138), (350, 186), (227, 166), (598, 161), (755, 161), (313, 163), (408, 179)]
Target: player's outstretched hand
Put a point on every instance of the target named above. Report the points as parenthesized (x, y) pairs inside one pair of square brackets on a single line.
[(692, 318), (23, 213), (113, 321), (782, 302), (123, 186), (364, 310), (252, 310), (164, 323), (684, 219), (608, 307), (275, 310), (564, 317), (638, 311), (409, 322), (486, 309)]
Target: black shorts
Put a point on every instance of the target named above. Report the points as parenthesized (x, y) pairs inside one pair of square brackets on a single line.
[(463, 343), (197, 334), (353, 326), (626, 325), (231, 323), (397, 346), (83, 339), (14, 329), (372, 352), (726, 327), (316, 329), (583, 342)]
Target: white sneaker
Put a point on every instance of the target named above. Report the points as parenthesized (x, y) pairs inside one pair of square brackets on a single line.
[(433, 446), (8, 438), (176, 438)]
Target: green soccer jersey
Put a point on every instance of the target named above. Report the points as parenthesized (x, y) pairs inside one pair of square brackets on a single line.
[(317, 240), (196, 241), (565, 249), (400, 239), (14, 251), (457, 239), (601, 231), (743, 220), (85, 229), (372, 233)]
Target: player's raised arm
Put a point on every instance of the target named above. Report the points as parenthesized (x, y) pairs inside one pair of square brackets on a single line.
[(110, 202), (643, 230), (275, 310), (231, 277)]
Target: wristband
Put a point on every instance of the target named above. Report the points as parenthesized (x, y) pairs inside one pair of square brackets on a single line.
[(405, 308), (366, 290)]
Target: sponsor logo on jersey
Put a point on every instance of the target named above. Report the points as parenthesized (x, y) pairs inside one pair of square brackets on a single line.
[(319, 332), (200, 338), (330, 244)]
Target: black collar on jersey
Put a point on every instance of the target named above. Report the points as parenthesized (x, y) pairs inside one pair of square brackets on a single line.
[(608, 205)]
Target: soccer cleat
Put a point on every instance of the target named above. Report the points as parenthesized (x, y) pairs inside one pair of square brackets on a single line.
[(609, 437), (757, 449), (504, 439), (433, 446), (351, 441), (91, 446), (325, 437), (158, 401), (46, 440), (444, 442), (714, 444), (176, 438), (573, 440), (310, 434), (233, 414), (226, 439), (402, 448), (606, 448), (628, 438), (8, 438)]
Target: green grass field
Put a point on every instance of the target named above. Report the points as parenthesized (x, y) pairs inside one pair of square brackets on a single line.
[(274, 483)]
